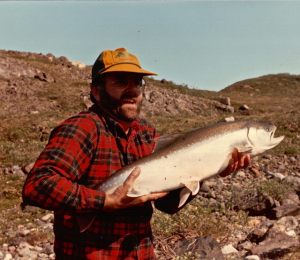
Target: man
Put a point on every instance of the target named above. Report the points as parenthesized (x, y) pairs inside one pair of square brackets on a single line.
[(84, 151)]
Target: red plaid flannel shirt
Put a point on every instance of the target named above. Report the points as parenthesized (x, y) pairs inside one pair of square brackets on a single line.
[(81, 153)]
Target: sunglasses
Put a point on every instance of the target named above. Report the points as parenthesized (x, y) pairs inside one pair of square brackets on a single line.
[(120, 81)]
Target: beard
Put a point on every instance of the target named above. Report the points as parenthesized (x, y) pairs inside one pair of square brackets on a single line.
[(123, 108)]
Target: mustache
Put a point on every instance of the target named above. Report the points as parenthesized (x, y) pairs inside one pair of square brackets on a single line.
[(131, 94), (111, 103)]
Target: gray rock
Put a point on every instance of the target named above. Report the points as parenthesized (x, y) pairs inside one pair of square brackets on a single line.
[(252, 257), (225, 101), (225, 108), (48, 249), (204, 187), (276, 245), (229, 119), (43, 256), (24, 232), (247, 245), (48, 217), (203, 247), (286, 210), (241, 174), (294, 181), (287, 224), (8, 256), (244, 107), (276, 175), (229, 249)]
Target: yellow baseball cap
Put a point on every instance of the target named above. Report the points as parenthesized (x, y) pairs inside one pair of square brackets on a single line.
[(119, 60)]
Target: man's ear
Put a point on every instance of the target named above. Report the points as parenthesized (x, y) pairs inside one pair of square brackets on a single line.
[(95, 92)]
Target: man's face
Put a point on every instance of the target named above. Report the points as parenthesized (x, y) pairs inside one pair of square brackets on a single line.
[(122, 94)]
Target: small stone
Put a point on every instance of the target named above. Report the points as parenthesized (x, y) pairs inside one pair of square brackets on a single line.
[(38, 248), (241, 174), (8, 257), (25, 245), (48, 249), (255, 172), (204, 187), (229, 119), (42, 255), (276, 175), (244, 107), (225, 100), (17, 171), (247, 245), (34, 112), (24, 252), (267, 156), (228, 249), (222, 206), (47, 217), (252, 257), (24, 232)]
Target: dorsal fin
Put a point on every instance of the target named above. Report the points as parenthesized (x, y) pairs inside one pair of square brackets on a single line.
[(166, 140)]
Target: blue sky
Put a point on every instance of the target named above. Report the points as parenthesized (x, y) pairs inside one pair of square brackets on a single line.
[(204, 44)]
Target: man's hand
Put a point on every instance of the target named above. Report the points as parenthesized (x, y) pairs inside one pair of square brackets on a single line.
[(237, 161), (119, 199)]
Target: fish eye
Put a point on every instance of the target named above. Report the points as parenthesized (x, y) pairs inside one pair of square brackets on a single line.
[(268, 128)]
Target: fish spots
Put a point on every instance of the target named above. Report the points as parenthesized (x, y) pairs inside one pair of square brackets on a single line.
[(165, 178)]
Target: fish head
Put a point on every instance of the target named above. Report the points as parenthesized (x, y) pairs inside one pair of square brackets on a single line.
[(261, 137)]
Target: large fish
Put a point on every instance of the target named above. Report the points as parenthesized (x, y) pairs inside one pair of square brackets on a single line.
[(193, 157)]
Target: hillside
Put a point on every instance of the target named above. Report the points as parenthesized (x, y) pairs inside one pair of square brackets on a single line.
[(38, 91)]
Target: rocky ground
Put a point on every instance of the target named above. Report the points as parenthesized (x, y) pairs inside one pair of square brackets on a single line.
[(268, 191), (254, 214)]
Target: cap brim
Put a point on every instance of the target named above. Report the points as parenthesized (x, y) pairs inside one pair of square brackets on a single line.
[(128, 68)]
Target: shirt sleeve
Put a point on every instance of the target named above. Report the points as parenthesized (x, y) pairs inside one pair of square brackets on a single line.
[(54, 181)]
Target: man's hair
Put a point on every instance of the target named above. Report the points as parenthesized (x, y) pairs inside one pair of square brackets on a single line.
[(97, 82)]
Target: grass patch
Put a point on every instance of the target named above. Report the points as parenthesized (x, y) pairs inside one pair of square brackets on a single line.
[(10, 187), (196, 218), (275, 189), (253, 195)]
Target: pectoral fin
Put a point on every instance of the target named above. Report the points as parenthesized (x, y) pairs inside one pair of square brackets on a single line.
[(190, 188), (193, 187), (244, 149)]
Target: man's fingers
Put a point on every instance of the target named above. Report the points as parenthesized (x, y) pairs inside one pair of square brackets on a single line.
[(157, 195), (131, 178), (244, 160), (152, 196)]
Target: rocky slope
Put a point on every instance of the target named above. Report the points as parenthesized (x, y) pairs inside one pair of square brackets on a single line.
[(252, 215)]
